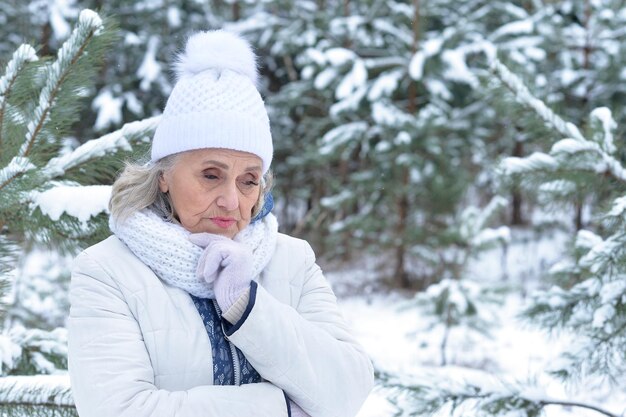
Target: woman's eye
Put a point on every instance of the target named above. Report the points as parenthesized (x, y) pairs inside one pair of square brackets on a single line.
[(249, 183), (211, 176)]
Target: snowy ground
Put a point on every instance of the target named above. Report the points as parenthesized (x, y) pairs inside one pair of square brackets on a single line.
[(397, 340)]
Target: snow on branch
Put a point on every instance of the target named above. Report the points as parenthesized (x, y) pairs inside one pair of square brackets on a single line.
[(51, 390), (24, 54), (88, 24), (81, 202), (603, 117), (534, 162), (524, 96), (96, 148), (574, 142), (16, 167), (479, 391)]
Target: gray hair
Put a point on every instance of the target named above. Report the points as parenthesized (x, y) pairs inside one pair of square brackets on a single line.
[(137, 187)]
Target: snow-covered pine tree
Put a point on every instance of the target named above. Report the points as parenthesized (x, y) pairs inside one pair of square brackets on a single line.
[(371, 108), (286, 33), (50, 195), (135, 80), (348, 128), (590, 303), (572, 52), (460, 301)]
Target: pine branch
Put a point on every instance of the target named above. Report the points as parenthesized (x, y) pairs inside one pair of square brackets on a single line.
[(566, 129), (430, 396), (89, 23), (16, 167), (24, 54), (96, 148), (36, 390)]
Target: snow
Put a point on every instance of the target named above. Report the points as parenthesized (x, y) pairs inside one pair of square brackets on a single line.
[(457, 69), (24, 53), (95, 148), (82, 202), (401, 34), (109, 109), (489, 235), (388, 115), (349, 103), (524, 26), (600, 254), (341, 135), (524, 96), (416, 66), (17, 166), (571, 146), (602, 315), (618, 207), (315, 55), (8, 352), (133, 104), (537, 160), (324, 78), (604, 116), (568, 76), (438, 89), (173, 17), (558, 187), (432, 46), (385, 85), (337, 199), (613, 291), (355, 79), (339, 56), (38, 389), (586, 239), (399, 341), (150, 69), (59, 10), (90, 18)]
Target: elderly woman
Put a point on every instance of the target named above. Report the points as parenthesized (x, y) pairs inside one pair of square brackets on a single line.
[(197, 306)]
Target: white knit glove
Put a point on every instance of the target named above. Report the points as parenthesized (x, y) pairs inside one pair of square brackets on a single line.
[(225, 263)]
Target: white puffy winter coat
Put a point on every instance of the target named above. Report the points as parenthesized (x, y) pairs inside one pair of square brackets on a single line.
[(138, 347)]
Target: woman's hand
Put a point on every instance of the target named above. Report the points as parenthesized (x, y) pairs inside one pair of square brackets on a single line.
[(225, 263)]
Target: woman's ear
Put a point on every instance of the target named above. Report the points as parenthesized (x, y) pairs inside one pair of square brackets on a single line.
[(163, 183)]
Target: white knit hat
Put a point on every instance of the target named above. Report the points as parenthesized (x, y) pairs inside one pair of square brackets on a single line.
[(215, 102)]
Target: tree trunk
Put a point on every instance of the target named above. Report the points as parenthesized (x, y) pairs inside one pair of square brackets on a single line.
[(402, 207), (517, 218), (236, 11), (578, 220), (46, 34), (402, 201)]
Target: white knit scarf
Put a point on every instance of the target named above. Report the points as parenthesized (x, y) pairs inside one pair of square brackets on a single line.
[(164, 247)]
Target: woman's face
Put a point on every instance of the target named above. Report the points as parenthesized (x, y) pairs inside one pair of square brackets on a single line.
[(214, 190)]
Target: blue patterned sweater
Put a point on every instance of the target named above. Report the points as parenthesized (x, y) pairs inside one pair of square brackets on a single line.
[(230, 367)]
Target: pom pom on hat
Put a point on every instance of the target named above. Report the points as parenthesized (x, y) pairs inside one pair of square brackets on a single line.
[(215, 102), (217, 50)]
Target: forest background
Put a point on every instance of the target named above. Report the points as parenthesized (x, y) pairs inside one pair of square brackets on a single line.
[(413, 141)]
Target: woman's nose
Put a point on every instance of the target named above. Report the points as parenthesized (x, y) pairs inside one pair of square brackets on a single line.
[(228, 198)]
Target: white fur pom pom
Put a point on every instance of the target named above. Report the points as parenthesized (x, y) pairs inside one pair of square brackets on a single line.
[(219, 50)]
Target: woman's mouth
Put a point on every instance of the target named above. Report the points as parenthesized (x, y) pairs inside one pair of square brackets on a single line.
[(223, 222)]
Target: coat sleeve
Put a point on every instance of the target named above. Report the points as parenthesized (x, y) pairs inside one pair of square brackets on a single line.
[(307, 351), (110, 369)]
